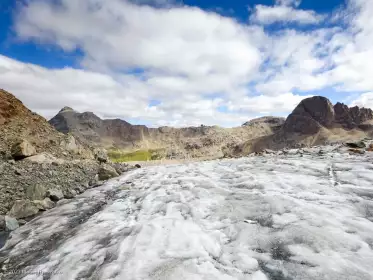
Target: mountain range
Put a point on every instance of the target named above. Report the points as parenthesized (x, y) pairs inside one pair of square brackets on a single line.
[(314, 121)]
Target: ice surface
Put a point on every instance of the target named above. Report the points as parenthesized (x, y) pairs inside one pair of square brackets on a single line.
[(274, 217)]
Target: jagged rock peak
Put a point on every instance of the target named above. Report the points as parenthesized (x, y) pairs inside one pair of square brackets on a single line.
[(66, 109), (350, 117)]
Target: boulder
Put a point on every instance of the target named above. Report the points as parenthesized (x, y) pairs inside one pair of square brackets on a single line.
[(310, 115), (36, 192), (55, 194), (69, 193), (106, 172), (137, 165), (44, 158), (11, 223), (71, 144), (22, 149), (44, 204), (101, 155), (22, 209)]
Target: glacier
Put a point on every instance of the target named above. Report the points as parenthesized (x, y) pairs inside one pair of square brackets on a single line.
[(307, 216)]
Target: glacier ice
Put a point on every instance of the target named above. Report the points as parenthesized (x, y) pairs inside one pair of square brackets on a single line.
[(273, 217)]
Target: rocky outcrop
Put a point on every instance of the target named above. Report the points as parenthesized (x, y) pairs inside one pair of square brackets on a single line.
[(310, 115), (350, 118), (317, 112)]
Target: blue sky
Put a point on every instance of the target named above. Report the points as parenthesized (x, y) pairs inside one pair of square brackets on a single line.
[(158, 62)]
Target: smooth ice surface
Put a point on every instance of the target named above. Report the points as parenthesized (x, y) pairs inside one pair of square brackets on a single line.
[(271, 217)]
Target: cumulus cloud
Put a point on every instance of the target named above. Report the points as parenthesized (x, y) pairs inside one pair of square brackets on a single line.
[(200, 67), (264, 104), (294, 3), (364, 100), (283, 13)]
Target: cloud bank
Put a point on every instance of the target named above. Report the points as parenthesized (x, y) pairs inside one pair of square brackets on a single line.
[(200, 67)]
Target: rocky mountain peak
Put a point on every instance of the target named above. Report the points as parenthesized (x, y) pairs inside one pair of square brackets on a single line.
[(67, 109), (310, 115)]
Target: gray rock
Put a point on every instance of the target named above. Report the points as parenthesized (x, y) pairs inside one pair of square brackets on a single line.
[(93, 181), (106, 172), (44, 204), (44, 158), (69, 193), (22, 149), (21, 222), (11, 223), (23, 208), (2, 222), (70, 144), (101, 155), (36, 192), (55, 194)]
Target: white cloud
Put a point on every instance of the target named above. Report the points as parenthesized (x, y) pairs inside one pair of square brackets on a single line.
[(266, 105), (281, 13), (294, 3), (364, 100), (119, 35), (47, 91), (201, 66)]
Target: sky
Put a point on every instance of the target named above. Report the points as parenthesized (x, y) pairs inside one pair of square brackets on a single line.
[(185, 63)]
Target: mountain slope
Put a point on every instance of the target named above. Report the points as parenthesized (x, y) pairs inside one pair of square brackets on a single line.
[(17, 123), (179, 142)]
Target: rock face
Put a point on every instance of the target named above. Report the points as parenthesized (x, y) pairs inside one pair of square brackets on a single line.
[(22, 149), (310, 115), (90, 128), (351, 117)]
